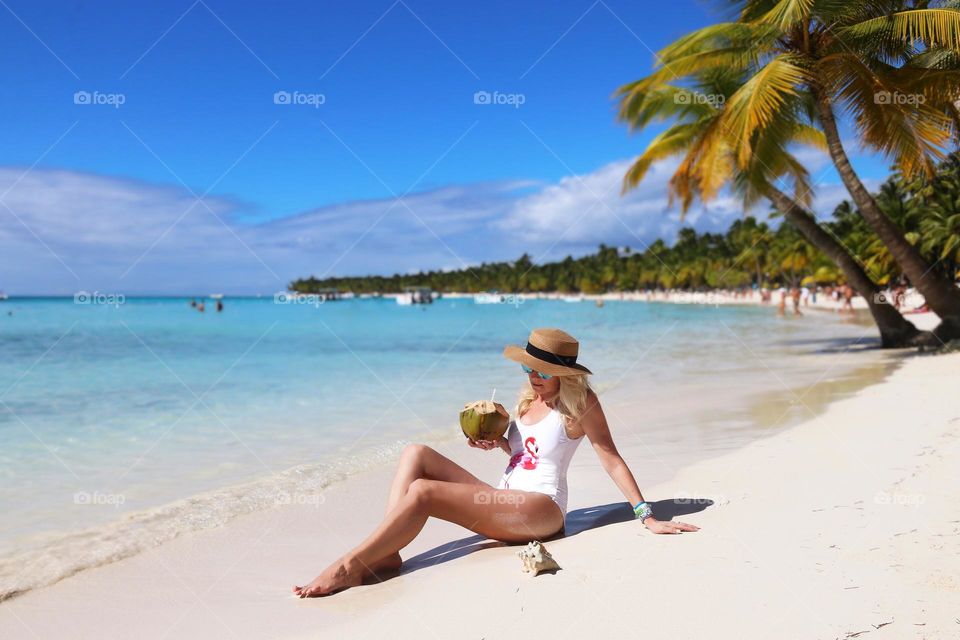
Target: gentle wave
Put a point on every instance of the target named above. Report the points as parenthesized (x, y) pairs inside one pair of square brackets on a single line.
[(64, 555)]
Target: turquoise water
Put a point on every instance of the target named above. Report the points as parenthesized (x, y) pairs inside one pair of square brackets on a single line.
[(107, 410)]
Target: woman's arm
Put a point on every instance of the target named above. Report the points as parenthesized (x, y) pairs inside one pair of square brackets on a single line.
[(594, 425), (502, 443)]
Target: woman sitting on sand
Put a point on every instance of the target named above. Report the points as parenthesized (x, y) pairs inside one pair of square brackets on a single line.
[(557, 408)]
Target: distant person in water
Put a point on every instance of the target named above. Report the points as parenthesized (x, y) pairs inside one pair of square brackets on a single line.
[(193, 303), (557, 408), (200, 307), (219, 306)]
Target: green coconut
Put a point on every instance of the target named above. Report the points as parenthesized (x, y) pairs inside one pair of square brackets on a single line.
[(484, 420)]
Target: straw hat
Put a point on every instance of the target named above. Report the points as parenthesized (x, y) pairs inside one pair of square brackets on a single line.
[(550, 351)]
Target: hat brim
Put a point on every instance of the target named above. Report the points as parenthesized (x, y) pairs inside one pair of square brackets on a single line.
[(519, 354)]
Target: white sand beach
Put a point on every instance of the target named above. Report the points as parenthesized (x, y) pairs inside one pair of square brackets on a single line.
[(846, 525)]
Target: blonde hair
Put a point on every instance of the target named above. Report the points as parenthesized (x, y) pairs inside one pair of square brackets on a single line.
[(570, 402)]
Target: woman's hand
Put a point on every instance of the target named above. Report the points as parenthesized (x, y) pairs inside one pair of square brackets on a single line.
[(661, 526), (486, 445)]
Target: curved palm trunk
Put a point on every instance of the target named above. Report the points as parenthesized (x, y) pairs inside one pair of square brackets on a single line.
[(939, 292), (895, 330)]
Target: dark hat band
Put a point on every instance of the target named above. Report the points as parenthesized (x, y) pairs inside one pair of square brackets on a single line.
[(546, 356)]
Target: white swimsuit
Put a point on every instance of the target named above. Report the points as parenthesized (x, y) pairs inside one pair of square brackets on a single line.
[(540, 455)]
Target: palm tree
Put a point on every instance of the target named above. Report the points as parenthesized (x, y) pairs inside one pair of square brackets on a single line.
[(711, 157), (795, 255), (892, 65), (939, 228), (752, 243)]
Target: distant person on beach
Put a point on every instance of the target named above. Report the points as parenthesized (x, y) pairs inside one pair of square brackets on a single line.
[(834, 293), (795, 297), (847, 298), (899, 293), (557, 408), (782, 305)]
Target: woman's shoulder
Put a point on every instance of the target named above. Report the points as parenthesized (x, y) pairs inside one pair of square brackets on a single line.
[(590, 406)]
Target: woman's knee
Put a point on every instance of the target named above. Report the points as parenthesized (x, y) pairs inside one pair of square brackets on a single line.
[(421, 491), (414, 452)]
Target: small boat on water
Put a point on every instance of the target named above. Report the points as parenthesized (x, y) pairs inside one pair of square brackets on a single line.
[(415, 295), (572, 298)]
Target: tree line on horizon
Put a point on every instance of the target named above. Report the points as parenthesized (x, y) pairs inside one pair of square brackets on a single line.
[(750, 253)]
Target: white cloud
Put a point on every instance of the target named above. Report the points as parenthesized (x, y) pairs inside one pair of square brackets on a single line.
[(583, 211), (66, 230)]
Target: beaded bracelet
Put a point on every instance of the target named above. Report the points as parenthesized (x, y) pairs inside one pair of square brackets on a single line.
[(642, 511)]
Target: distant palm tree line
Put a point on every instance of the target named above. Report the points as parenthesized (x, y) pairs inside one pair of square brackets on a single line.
[(750, 253)]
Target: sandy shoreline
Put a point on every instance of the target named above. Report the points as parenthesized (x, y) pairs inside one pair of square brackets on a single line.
[(821, 530)]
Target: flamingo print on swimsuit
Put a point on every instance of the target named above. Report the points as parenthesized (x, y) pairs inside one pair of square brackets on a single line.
[(528, 458)]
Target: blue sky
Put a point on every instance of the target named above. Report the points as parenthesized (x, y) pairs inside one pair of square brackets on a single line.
[(105, 195)]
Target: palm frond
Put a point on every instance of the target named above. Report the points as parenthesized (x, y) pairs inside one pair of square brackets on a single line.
[(671, 142), (758, 101), (887, 116), (787, 12), (932, 27), (641, 104), (719, 36)]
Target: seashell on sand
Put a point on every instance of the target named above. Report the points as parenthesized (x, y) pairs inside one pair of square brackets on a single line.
[(536, 558)]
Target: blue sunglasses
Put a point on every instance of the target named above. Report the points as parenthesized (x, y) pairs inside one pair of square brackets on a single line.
[(528, 370)]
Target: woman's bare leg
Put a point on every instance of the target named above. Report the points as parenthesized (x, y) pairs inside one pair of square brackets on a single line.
[(420, 461), (417, 461), (511, 516)]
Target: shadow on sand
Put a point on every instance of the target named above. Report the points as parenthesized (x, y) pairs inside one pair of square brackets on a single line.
[(577, 522)]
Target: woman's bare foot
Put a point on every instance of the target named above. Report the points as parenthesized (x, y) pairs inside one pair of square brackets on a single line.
[(342, 574)]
